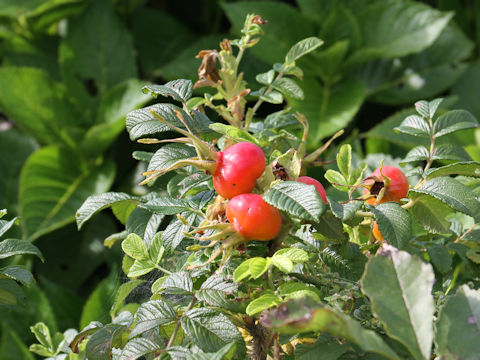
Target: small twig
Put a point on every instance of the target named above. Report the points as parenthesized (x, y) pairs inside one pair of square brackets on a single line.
[(177, 327)]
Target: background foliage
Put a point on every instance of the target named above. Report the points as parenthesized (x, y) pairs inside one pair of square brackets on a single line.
[(70, 72)]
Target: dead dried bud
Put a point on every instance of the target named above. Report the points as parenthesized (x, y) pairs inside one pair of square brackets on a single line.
[(226, 45), (234, 105), (208, 71), (280, 172), (257, 19)]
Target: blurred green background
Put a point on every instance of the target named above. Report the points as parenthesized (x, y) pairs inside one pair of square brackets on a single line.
[(71, 70)]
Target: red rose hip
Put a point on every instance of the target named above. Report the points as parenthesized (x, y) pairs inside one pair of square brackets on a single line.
[(237, 169), (253, 218), (311, 181), (396, 189)]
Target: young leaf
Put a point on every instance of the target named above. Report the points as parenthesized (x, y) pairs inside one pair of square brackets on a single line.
[(96, 203), (258, 266), (450, 191), (346, 211), (140, 267), (54, 184), (243, 270), (296, 199), (294, 254), (458, 325), (344, 160), (166, 205), (179, 283), (152, 314), (467, 168), (135, 247), (283, 263), (214, 291), (173, 233), (394, 223), (403, 303), (266, 78), (266, 301), (414, 125), (137, 348), (179, 90), (11, 247), (289, 88), (169, 154), (6, 225), (452, 121), (18, 273), (302, 48), (306, 315), (209, 329), (337, 180), (123, 291)]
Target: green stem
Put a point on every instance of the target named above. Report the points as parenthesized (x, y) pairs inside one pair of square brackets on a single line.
[(457, 271), (270, 278), (162, 269), (177, 326)]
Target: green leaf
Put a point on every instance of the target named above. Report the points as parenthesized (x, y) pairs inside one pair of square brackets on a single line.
[(6, 225), (394, 223), (467, 168), (418, 153), (100, 302), (414, 125), (283, 263), (96, 203), (400, 21), (12, 347), (266, 301), (100, 343), (152, 314), (464, 89), (234, 132), (337, 180), (450, 152), (441, 258), (158, 45), (422, 75), (344, 160), (144, 223), (403, 303), (156, 249), (166, 205), (173, 233), (289, 88), (243, 270), (346, 211), (452, 121), (209, 329), (110, 120), (54, 184), (331, 227), (135, 247), (96, 39), (279, 38), (266, 78), (42, 334), (320, 350), (296, 199), (305, 315), (140, 267), (17, 273), (302, 48), (15, 148), (258, 266), (179, 90), (273, 97), (458, 325), (37, 104), (329, 109), (169, 154), (123, 291), (179, 283), (137, 348), (294, 254), (214, 291), (450, 191), (11, 247), (431, 214)]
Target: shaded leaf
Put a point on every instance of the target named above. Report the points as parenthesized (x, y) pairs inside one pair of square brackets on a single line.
[(179, 90)]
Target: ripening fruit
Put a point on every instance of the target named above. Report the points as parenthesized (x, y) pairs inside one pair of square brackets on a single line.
[(253, 218), (311, 181), (396, 190), (376, 232), (237, 169)]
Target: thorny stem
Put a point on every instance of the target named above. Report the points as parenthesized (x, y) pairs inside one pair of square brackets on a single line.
[(177, 326)]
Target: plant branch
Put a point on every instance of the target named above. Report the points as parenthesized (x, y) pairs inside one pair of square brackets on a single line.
[(177, 326)]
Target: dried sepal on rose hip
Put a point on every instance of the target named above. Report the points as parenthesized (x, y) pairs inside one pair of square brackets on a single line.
[(311, 181), (387, 183), (249, 218)]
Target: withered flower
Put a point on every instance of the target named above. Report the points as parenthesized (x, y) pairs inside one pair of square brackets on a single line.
[(235, 105), (257, 19), (226, 45), (207, 72)]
